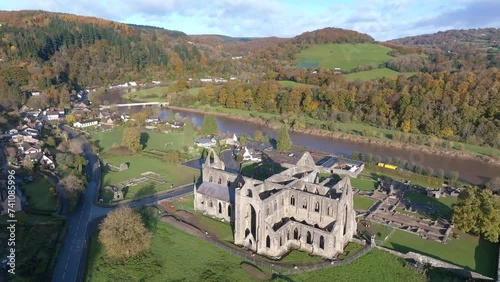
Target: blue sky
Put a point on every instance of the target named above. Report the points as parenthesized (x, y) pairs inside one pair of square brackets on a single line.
[(382, 19)]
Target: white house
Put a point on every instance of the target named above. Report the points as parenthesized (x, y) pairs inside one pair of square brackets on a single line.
[(247, 156), (52, 115), (86, 123), (35, 93), (47, 162), (206, 80), (152, 120), (156, 82), (132, 83), (205, 142)]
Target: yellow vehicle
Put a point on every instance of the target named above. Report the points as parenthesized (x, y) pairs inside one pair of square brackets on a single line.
[(395, 167)]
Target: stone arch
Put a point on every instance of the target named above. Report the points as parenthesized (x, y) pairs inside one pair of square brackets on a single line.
[(345, 219), (309, 239), (329, 211), (322, 242), (210, 178), (268, 241), (292, 200), (296, 234), (253, 221), (281, 241), (316, 207), (247, 232)]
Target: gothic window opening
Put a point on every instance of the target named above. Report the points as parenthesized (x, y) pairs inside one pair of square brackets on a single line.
[(296, 234), (268, 242), (322, 242), (229, 210), (292, 200), (220, 181), (316, 207), (304, 205), (309, 238), (249, 193), (220, 208)]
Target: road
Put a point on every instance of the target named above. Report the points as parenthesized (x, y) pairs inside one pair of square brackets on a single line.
[(81, 224)]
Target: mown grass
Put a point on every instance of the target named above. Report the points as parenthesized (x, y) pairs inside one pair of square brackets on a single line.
[(375, 73), (468, 251), (174, 256), (363, 184), (288, 83), (155, 94), (441, 206), (363, 203), (344, 56), (173, 174), (39, 196), (376, 265)]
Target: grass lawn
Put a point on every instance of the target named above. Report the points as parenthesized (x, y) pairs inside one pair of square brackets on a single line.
[(376, 265), (155, 94), (344, 56), (38, 195), (419, 215), (467, 251), (375, 73), (222, 230), (172, 173), (442, 206), (289, 83), (350, 250), (363, 203), (151, 140), (374, 172), (364, 184), (174, 256), (296, 256)]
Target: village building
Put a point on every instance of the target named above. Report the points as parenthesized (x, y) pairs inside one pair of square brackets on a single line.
[(86, 123), (206, 142), (289, 210)]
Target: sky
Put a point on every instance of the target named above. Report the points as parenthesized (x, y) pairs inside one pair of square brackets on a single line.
[(382, 19)]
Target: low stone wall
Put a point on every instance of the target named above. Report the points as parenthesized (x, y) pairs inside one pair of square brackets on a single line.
[(438, 263)]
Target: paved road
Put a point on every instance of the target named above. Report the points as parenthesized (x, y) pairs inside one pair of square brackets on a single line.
[(82, 223)]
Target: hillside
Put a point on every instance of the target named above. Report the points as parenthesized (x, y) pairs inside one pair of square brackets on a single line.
[(59, 53), (468, 49)]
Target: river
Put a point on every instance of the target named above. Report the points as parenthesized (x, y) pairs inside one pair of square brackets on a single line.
[(472, 171)]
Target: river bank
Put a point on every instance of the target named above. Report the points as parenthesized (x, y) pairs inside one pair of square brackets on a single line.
[(464, 155)]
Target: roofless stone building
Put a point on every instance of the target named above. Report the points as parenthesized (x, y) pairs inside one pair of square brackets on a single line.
[(289, 210)]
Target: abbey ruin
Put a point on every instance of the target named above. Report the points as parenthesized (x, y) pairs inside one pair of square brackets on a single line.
[(289, 210)]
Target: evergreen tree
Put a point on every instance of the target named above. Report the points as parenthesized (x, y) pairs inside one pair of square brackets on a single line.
[(284, 143), (209, 125)]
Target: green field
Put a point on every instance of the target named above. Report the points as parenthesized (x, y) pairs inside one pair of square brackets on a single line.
[(363, 203), (174, 256), (467, 251), (173, 174), (38, 195), (442, 206), (152, 140), (376, 265), (178, 256), (375, 73), (364, 184), (288, 83), (155, 94), (344, 56)]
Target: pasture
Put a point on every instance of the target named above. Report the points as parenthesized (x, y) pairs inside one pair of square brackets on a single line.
[(344, 56)]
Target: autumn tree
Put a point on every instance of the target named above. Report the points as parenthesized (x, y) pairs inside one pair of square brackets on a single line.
[(124, 235), (73, 186), (231, 101), (284, 143), (222, 96), (28, 165), (76, 146), (477, 211), (239, 97), (209, 125), (132, 139), (494, 185), (257, 135), (70, 119)]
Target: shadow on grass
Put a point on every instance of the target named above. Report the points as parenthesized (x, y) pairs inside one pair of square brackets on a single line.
[(484, 265), (145, 191)]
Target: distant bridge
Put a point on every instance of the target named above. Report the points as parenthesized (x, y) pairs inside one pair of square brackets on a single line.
[(128, 105)]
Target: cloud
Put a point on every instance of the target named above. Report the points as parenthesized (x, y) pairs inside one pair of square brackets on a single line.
[(382, 19)]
